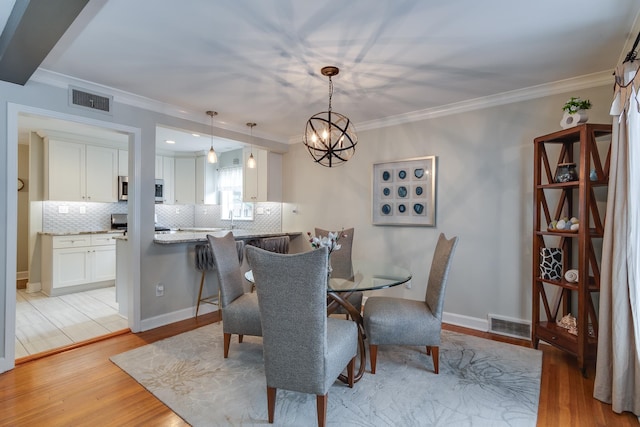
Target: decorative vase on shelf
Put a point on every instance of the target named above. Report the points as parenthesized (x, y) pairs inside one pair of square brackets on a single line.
[(570, 120)]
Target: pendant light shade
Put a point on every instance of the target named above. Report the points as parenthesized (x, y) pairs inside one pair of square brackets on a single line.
[(212, 157), (251, 161), (330, 137)]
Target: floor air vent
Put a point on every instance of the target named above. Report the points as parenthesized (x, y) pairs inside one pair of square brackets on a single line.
[(91, 100), (510, 327)]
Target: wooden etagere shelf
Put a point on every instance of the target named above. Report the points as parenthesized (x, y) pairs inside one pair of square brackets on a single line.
[(585, 145)]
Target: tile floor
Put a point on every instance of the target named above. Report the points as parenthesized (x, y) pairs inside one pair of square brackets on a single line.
[(44, 323)]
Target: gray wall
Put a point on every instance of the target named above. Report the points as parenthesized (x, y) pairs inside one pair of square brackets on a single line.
[(484, 196)]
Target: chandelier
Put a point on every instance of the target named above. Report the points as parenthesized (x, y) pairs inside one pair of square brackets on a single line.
[(330, 137)]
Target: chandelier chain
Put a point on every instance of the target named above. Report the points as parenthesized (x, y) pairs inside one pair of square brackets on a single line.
[(330, 92)]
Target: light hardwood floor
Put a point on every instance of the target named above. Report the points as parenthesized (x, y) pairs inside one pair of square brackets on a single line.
[(45, 323), (81, 387)]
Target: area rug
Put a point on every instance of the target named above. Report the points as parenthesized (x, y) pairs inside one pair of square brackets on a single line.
[(481, 383)]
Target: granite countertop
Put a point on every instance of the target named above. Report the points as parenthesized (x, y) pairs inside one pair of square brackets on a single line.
[(200, 235), (75, 233)]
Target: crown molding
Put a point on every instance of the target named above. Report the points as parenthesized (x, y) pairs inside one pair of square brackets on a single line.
[(602, 78), (63, 81)]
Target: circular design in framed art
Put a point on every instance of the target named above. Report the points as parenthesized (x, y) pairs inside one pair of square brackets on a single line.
[(418, 173), (402, 208), (386, 176), (386, 191), (418, 208), (386, 209), (402, 174), (419, 191), (402, 191)]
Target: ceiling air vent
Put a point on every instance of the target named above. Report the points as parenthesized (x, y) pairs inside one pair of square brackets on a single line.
[(90, 100), (509, 327)]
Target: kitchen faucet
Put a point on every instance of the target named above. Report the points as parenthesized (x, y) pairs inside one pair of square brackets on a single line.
[(231, 218)]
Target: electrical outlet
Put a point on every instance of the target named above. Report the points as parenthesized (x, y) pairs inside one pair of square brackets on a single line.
[(63, 209), (159, 290), (83, 210), (259, 211), (267, 211)]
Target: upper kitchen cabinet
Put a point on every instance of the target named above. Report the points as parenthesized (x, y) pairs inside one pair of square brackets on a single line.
[(81, 172), (184, 180), (264, 182), (206, 182), (123, 163), (165, 170)]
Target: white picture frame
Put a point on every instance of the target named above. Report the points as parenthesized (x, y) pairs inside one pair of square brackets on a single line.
[(404, 192)]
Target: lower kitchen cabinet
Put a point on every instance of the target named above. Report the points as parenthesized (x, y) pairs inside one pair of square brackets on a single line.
[(79, 262)]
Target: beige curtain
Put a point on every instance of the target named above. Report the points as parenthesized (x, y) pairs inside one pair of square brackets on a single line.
[(618, 366)]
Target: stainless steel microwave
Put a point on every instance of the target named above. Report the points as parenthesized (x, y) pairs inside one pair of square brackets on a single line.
[(123, 189)]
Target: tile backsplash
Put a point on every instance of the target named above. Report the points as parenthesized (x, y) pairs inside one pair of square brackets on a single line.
[(64, 217)]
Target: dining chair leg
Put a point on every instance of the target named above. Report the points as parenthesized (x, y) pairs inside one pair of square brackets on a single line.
[(240, 338), (428, 350), (373, 349), (227, 342), (200, 292), (271, 402), (321, 404), (351, 367), (435, 350)]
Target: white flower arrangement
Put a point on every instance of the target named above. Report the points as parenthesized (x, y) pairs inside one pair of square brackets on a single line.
[(330, 241)]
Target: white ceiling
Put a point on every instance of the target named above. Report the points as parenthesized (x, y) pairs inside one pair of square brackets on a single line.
[(260, 61)]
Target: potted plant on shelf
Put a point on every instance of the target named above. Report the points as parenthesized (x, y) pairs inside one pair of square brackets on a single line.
[(575, 112)]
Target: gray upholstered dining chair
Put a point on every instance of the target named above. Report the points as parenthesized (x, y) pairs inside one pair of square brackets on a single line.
[(240, 311), (304, 350), (279, 244), (399, 321), (342, 266)]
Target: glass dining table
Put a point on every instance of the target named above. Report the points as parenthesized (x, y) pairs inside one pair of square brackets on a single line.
[(364, 275)]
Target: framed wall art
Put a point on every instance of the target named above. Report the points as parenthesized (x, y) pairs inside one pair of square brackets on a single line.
[(404, 192)]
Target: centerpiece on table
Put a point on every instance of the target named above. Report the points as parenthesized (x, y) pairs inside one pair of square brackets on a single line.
[(330, 241)]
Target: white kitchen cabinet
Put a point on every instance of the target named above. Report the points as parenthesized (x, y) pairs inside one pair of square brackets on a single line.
[(264, 182), (159, 167), (168, 176), (80, 262), (206, 182), (185, 180), (101, 174), (123, 163), (81, 172)]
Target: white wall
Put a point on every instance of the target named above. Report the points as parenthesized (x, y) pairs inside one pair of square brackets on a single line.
[(484, 196)]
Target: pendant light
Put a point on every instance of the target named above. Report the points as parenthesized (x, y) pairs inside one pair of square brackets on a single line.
[(330, 137), (251, 161), (212, 157)]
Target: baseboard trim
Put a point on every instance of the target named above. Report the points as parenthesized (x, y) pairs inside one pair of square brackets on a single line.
[(175, 316), (33, 287), (22, 275), (466, 321)]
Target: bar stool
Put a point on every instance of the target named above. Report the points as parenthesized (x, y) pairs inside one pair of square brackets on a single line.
[(204, 262)]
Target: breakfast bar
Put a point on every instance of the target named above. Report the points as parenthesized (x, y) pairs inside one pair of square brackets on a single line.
[(172, 281)]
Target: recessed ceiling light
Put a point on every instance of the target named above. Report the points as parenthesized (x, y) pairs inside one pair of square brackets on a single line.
[(169, 141)]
